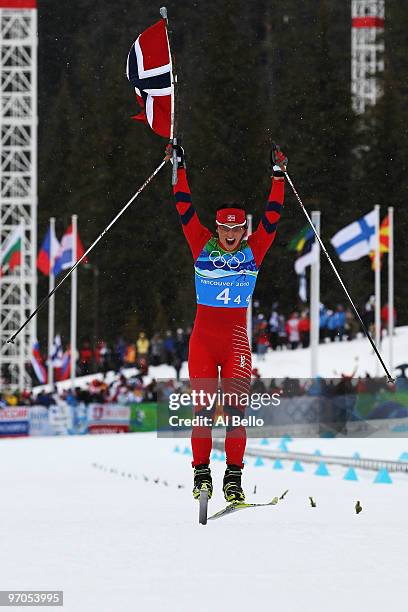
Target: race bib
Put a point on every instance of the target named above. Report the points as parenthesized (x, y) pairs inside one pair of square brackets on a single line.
[(224, 279)]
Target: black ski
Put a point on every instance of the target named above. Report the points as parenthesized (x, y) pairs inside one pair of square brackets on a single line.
[(203, 505)]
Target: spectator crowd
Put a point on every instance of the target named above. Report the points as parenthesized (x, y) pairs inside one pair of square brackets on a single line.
[(170, 348), (280, 332), (120, 390), (137, 389)]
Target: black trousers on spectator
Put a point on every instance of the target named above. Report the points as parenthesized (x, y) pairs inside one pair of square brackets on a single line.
[(274, 340), (332, 334), (305, 339)]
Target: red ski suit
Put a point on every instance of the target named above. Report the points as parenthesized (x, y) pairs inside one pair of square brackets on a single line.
[(219, 338)]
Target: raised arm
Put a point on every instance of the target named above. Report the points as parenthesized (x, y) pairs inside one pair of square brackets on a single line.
[(261, 240), (196, 234)]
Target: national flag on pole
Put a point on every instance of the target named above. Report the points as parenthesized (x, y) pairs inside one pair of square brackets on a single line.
[(57, 353), (299, 241), (357, 239), (64, 257), (65, 371), (38, 364), (305, 245), (384, 241), (303, 287), (149, 70), (61, 361), (44, 255), (309, 256), (10, 253)]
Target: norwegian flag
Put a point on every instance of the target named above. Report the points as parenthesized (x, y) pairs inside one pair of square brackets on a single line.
[(149, 70)]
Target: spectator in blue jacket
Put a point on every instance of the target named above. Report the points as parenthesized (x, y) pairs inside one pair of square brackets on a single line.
[(331, 325), (169, 348), (336, 323), (340, 321)]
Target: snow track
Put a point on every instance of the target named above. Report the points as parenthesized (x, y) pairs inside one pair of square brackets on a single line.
[(72, 518)]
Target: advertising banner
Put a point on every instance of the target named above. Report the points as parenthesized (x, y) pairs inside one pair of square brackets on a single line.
[(14, 421), (108, 418), (143, 417), (61, 420), (40, 421)]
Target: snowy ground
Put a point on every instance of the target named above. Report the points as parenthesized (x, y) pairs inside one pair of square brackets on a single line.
[(119, 543), (85, 515)]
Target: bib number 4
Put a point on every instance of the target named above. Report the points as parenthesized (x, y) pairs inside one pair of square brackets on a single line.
[(224, 297)]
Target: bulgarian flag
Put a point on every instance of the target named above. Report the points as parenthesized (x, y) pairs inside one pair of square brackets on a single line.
[(10, 254)]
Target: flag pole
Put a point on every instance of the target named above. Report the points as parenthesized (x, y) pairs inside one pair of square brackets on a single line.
[(363, 326), (377, 277), (315, 301), (107, 228), (391, 286), (249, 309), (74, 290), (173, 138), (22, 309), (51, 305)]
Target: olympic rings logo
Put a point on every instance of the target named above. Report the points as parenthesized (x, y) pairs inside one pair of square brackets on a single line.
[(233, 262)]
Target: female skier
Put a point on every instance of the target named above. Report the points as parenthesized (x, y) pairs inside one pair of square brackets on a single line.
[(226, 267)]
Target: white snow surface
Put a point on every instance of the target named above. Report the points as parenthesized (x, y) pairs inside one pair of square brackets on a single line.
[(116, 543)]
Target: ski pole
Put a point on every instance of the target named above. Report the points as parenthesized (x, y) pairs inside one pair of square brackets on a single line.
[(107, 228), (174, 162), (367, 333)]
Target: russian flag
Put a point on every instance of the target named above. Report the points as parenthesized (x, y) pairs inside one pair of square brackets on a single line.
[(64, 259), (44, 256), (38, 365), (65, 371)]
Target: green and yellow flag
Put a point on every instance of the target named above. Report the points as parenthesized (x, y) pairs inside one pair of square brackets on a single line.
[(298, 242)]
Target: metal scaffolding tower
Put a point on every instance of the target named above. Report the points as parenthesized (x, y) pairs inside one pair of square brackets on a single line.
[(18, 183), (367, 50)]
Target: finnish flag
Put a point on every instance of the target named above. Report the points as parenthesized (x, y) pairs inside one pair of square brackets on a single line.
[(357, 239)]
